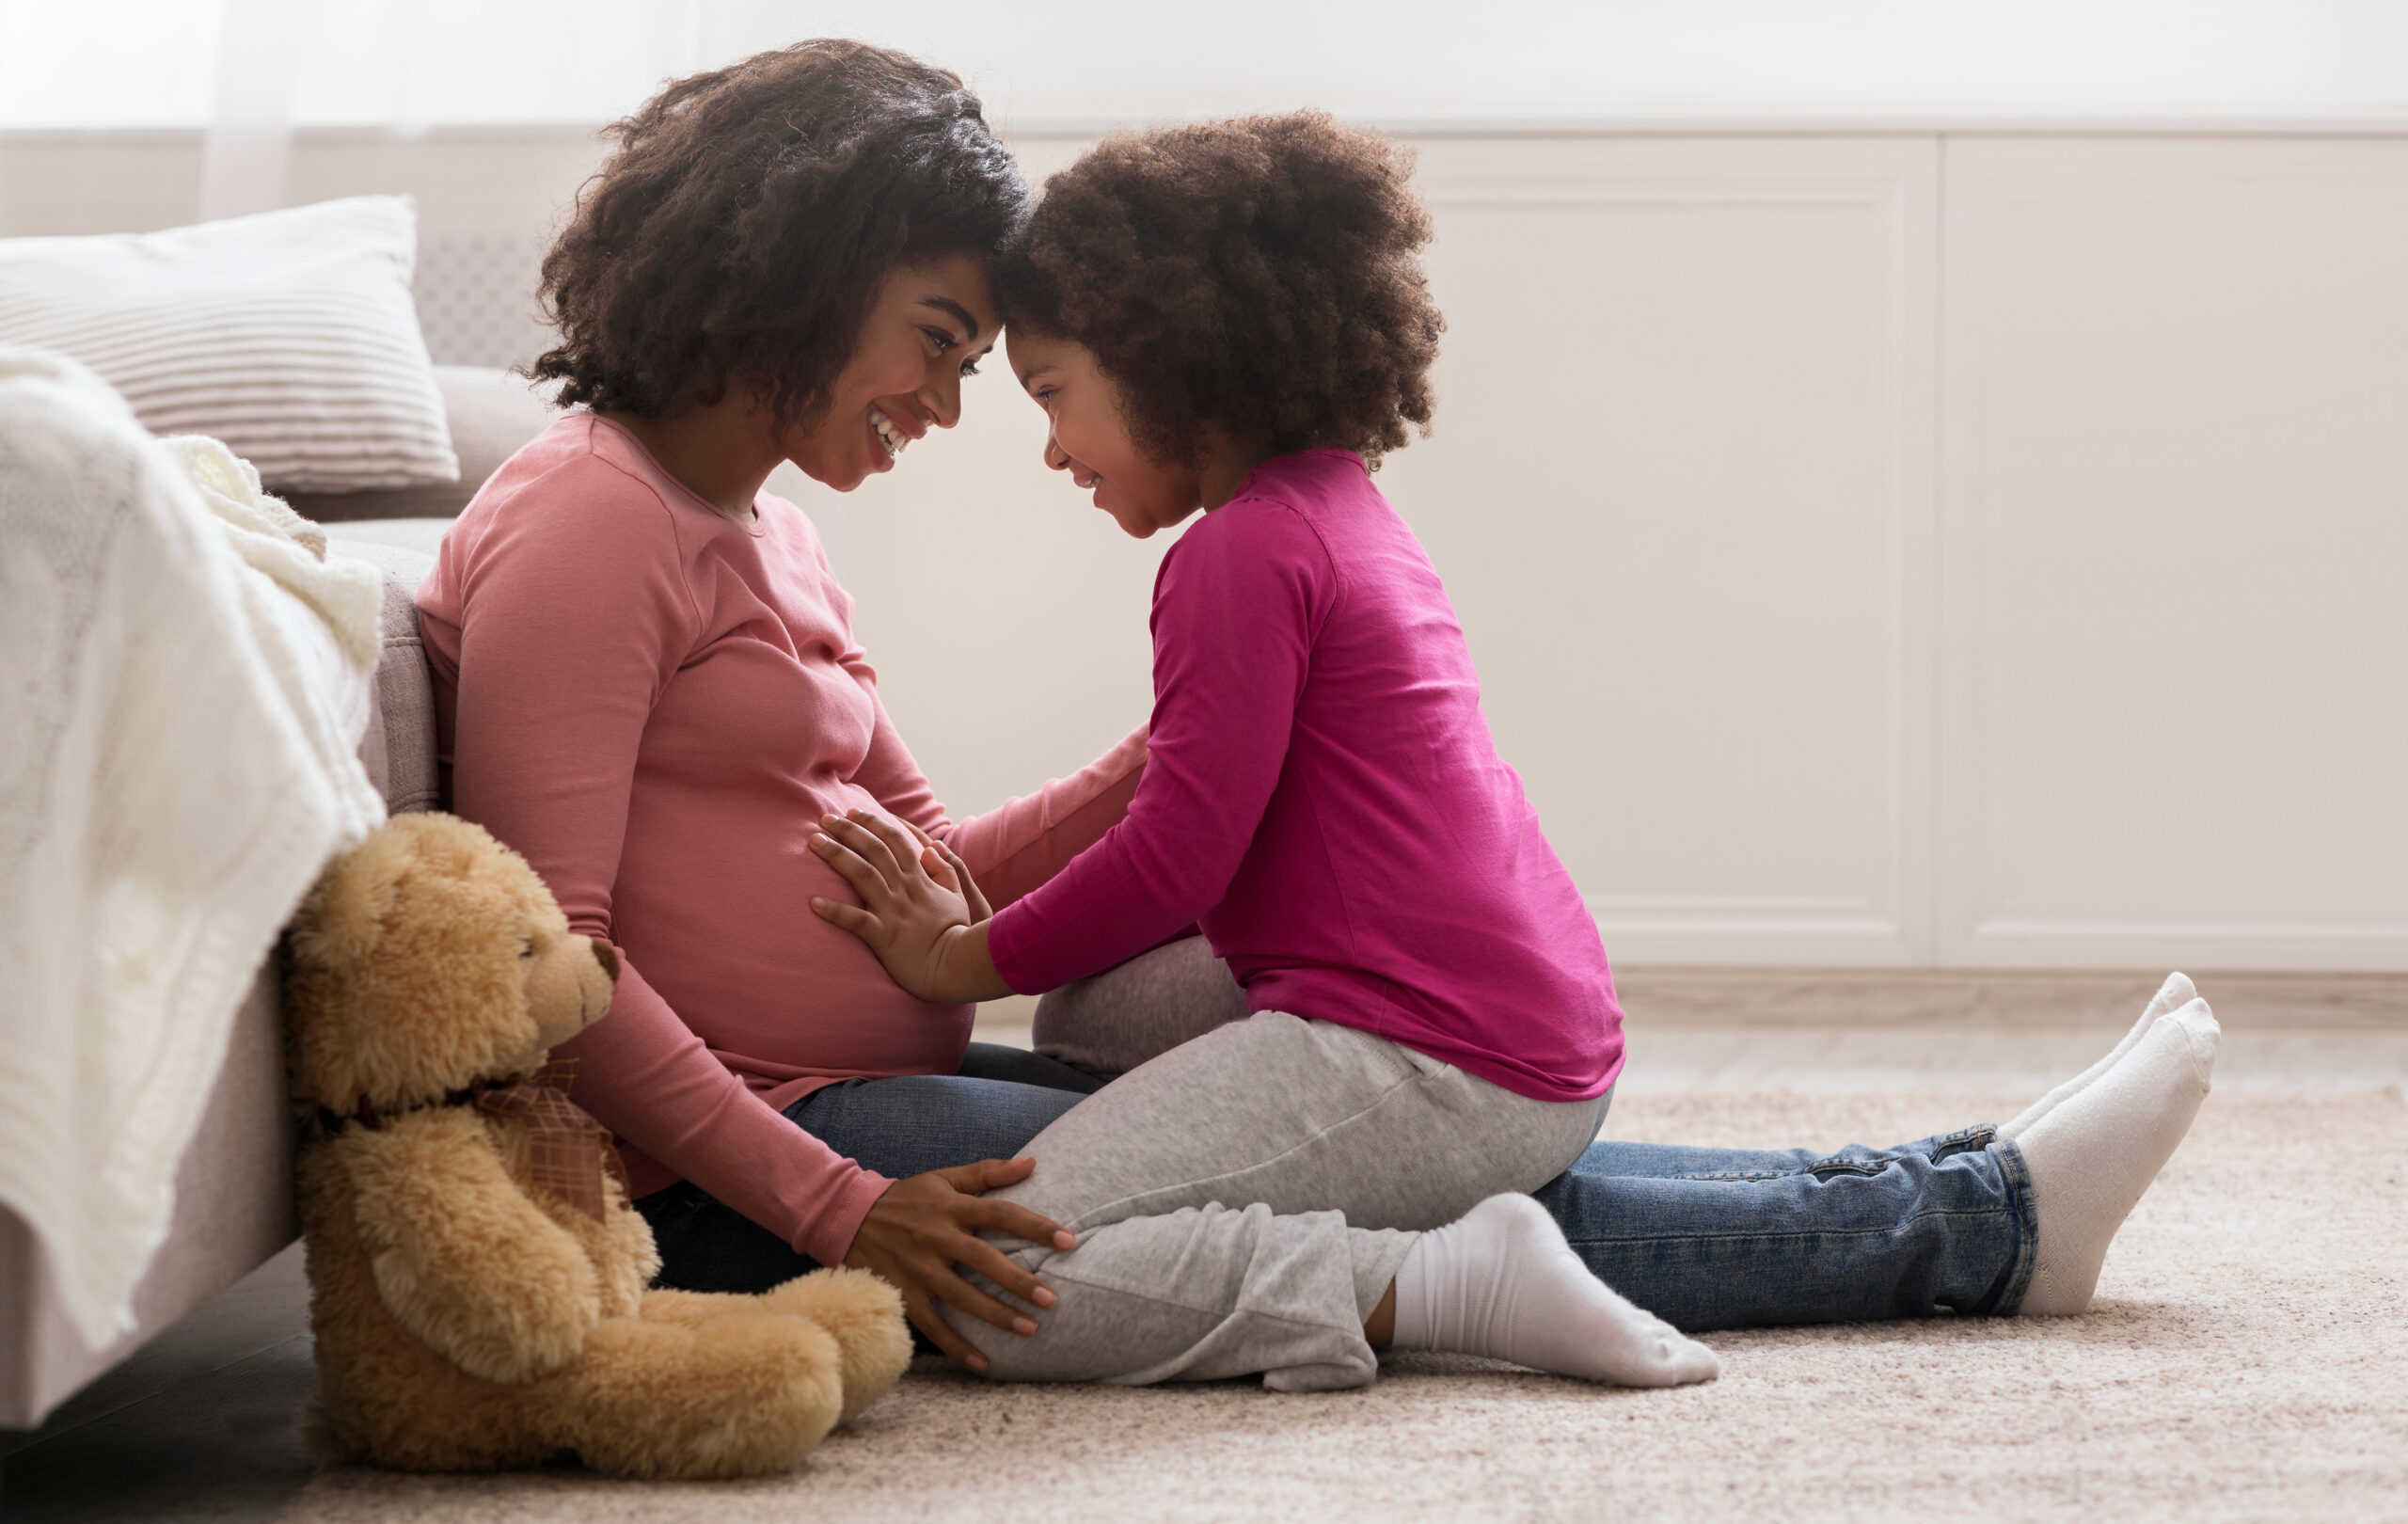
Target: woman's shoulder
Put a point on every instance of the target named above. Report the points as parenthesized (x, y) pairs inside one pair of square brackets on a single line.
[(580, 481), (570, 516), (581, 461)]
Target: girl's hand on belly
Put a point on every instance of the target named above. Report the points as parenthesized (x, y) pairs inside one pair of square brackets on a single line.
[(924, 1226), (949, 871), (923, 929)]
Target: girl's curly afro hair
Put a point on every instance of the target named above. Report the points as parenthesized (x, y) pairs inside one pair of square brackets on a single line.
[(1258, 274), (741, 232)]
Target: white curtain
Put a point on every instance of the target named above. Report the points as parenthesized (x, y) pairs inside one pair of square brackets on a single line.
[(246, 160), (250, 67)]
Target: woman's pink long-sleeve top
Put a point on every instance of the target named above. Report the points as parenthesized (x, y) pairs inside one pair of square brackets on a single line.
[(654, 704), (1322, 795)]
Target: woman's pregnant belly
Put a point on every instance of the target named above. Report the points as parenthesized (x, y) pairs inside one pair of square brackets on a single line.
[(715, 908)]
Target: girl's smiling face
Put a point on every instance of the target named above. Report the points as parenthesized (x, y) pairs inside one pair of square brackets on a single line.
[(1087, 436), (928, 329)]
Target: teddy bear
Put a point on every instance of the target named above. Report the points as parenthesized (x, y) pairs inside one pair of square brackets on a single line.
[(477, 1279)]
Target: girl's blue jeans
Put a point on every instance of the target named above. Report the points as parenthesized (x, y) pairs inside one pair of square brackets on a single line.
[(1704, 1238)]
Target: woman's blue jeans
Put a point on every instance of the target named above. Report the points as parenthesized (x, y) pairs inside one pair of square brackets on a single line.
[(1704, 1238), (909, 1125), (1743, 1238)]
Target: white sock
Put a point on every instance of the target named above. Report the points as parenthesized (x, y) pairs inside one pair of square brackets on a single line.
[(1500, 1281), (2171, 997), (2093, 1156)]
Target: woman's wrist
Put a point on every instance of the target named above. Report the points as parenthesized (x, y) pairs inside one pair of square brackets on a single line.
[(965, 969)]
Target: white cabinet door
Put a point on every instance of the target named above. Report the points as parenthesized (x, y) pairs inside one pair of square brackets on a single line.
[(2175, 698), (1681, 492)]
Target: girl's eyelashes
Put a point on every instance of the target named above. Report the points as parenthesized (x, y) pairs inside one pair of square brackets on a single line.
[(970, 368)]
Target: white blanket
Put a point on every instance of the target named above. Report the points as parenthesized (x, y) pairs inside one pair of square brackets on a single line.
[(183, 681)]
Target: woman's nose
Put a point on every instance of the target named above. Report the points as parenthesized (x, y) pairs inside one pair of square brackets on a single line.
[(944, 398)]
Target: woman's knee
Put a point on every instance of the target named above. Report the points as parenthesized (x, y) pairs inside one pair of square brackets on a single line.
[(1019, 1066), (912, 1123)]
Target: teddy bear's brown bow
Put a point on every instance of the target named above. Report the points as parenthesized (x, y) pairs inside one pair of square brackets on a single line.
[(567, 1150)]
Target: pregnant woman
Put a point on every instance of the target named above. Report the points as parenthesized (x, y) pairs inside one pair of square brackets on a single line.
[(647, 684)]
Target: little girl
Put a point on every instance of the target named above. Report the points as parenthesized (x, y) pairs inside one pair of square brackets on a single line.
[(1230, 317), (1435, 1031)]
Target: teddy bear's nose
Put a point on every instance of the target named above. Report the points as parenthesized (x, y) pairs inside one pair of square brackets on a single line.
[(607, 957)]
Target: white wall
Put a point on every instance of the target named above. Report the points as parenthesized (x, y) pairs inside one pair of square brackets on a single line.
[(1980, 551), (1908, 549)]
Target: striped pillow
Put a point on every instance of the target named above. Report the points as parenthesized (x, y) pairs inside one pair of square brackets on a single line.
[(289, 335)]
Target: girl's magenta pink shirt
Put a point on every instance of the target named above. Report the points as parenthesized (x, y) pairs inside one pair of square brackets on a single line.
[(654, 704), (1323, 796)]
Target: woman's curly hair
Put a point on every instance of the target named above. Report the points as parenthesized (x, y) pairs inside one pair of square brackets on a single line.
[(1258, 274), (742, 228)]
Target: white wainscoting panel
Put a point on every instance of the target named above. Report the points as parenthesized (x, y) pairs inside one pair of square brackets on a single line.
[(1680, 489), (2175, 539)]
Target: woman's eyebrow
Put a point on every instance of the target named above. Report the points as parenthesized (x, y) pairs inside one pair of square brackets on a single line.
[(955, 310)]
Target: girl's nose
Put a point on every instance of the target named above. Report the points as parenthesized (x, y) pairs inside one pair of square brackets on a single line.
[(1054, 456)]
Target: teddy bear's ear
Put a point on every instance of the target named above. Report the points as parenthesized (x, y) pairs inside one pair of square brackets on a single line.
[(402, 977)]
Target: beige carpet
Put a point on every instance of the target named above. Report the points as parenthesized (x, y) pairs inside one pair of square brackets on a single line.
[(2247, 1359)]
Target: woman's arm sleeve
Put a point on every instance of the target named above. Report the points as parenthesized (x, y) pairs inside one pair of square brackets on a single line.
[(1236, 606), (1025, 842), (1014, 848), (569, 632)]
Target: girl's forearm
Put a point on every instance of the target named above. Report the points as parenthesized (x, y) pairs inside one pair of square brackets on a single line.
[(965, 969)]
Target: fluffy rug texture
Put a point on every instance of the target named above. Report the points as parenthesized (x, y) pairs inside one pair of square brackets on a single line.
[(2247, 1359)]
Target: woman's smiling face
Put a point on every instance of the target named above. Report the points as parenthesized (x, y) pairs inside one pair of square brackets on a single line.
[(928, 329), (1087, 436)]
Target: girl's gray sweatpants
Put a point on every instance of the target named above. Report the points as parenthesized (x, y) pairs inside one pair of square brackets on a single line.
[(1243, 1200)]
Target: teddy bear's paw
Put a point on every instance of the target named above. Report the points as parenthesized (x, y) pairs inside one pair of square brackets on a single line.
[(747, 1393), (865, 1315)]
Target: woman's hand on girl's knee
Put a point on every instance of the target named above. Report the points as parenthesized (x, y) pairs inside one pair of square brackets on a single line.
[(922, 1228), (921, 928)]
